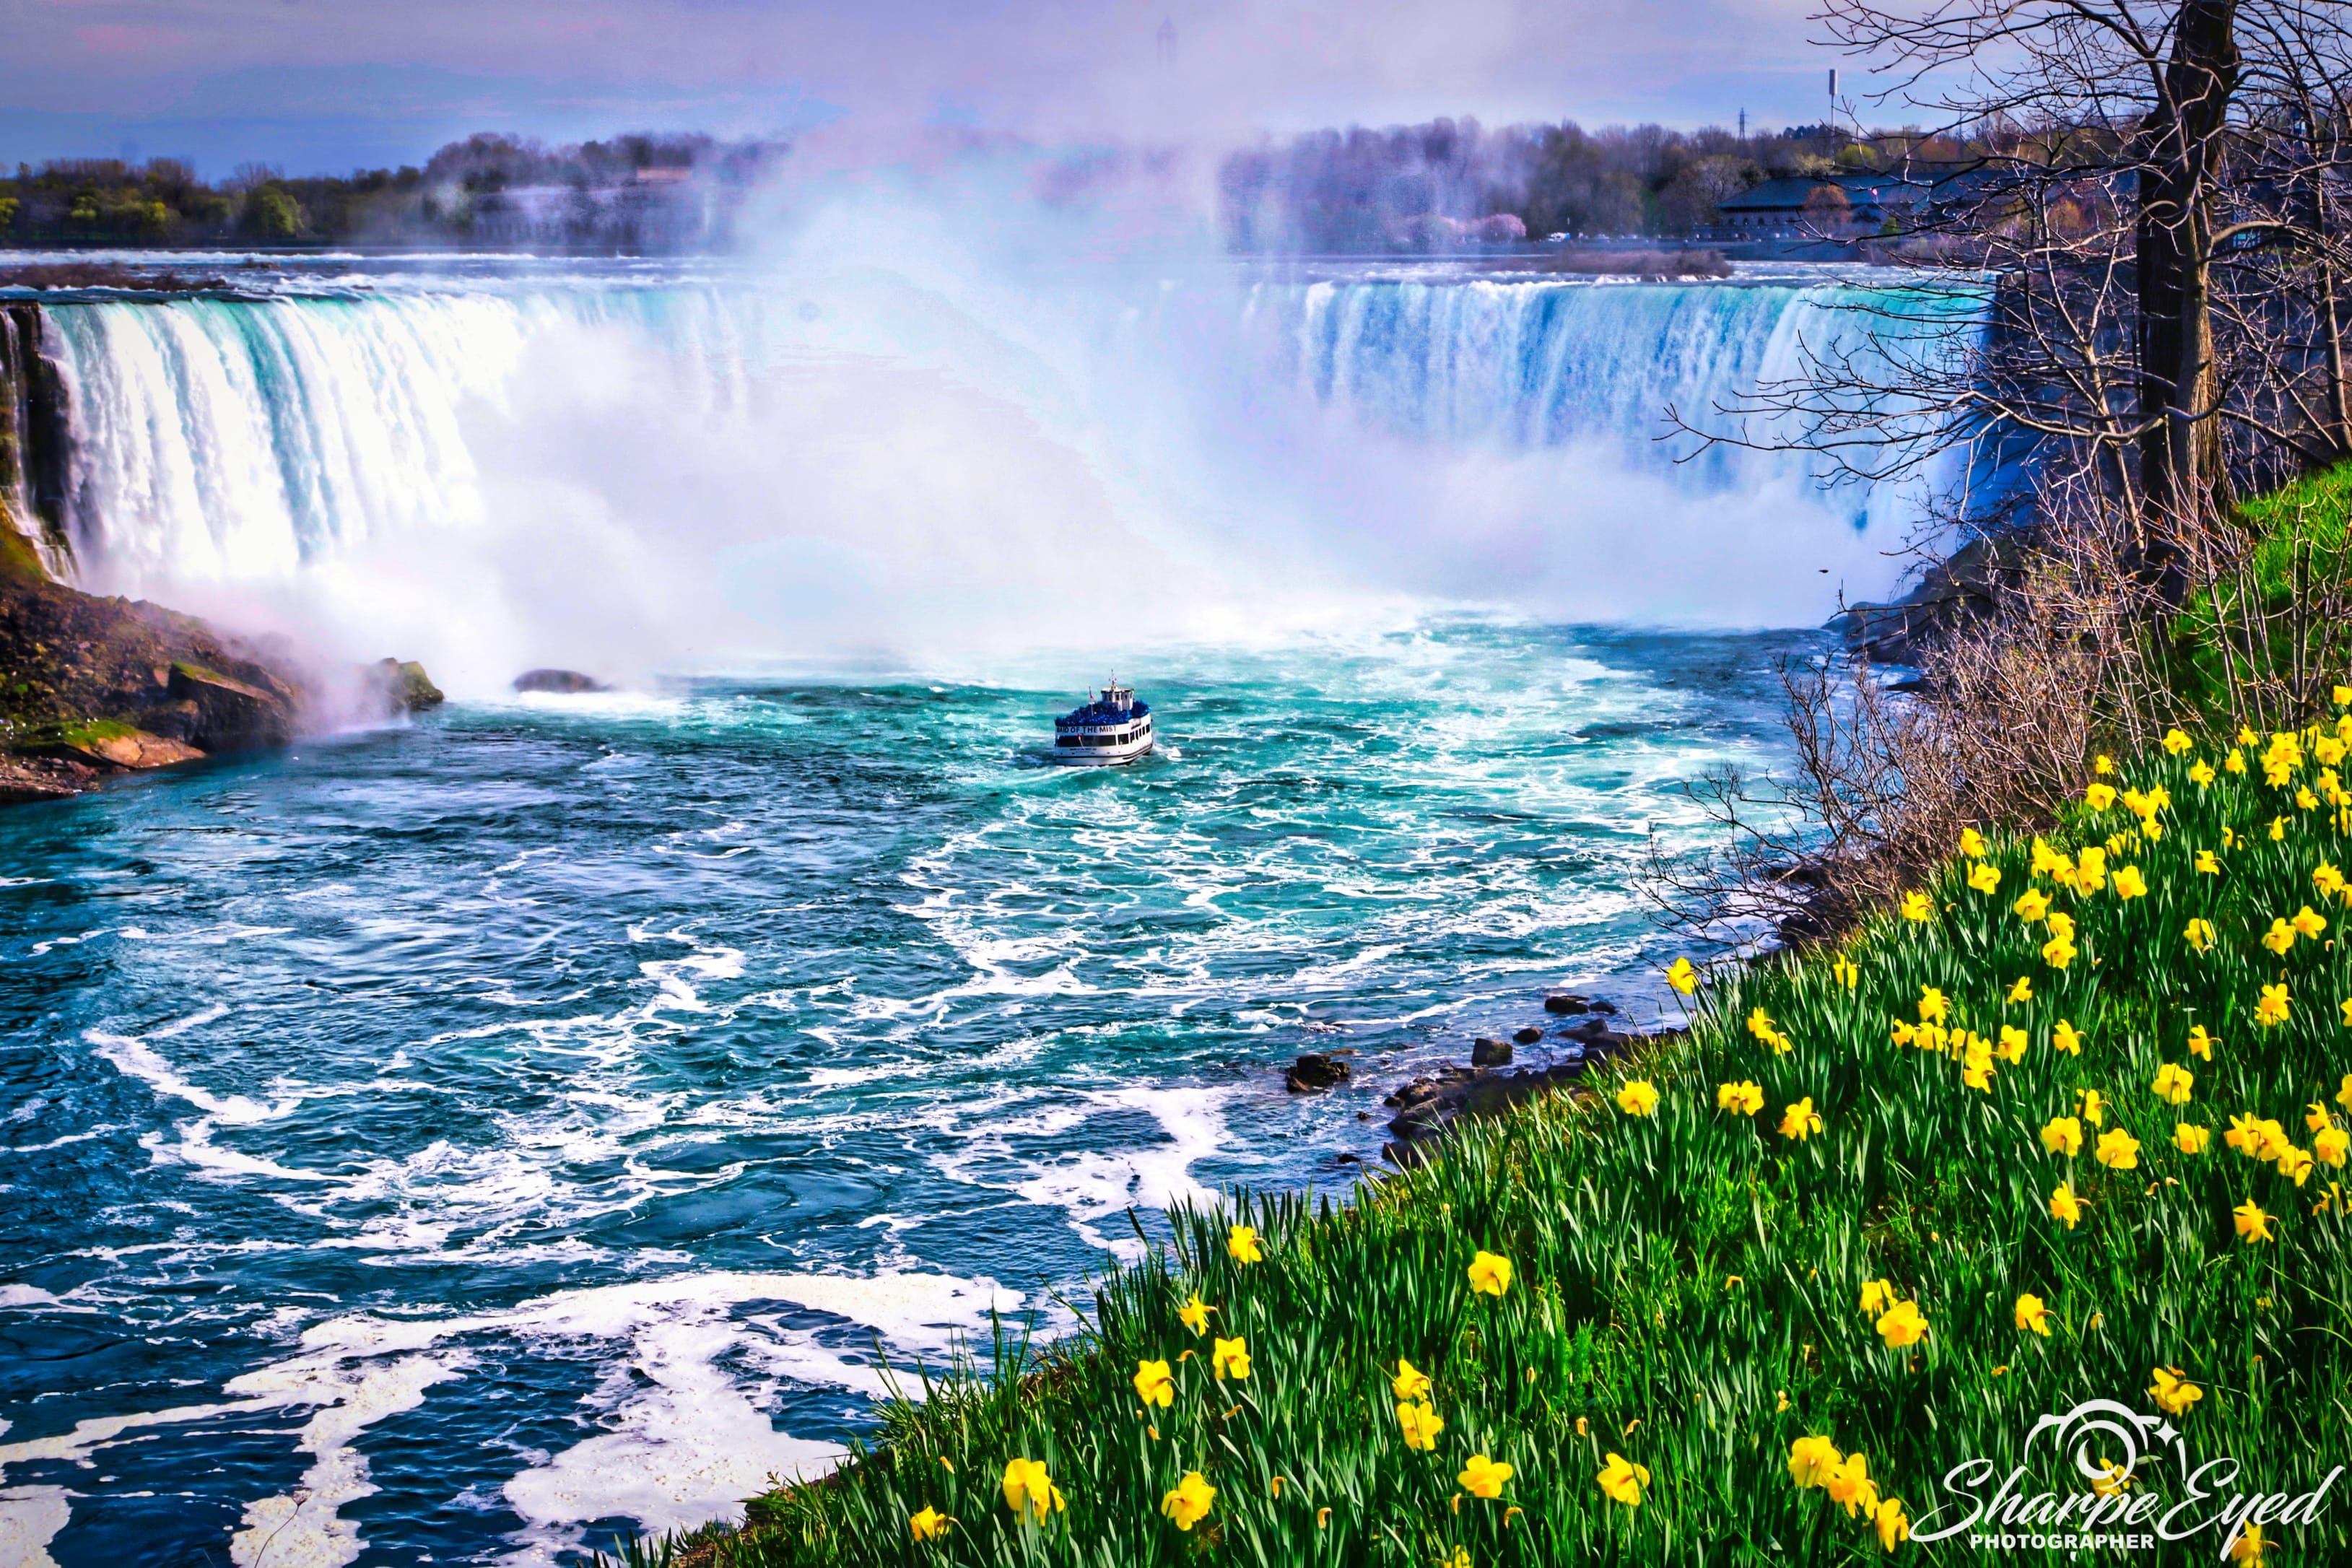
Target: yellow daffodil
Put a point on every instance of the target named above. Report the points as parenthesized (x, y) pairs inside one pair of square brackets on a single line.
[(1916, 907), (1976, 1073), (2304, 800), (1421, 1424), (1242, 1242), (2296, 1163), (1902, 1325), (2130, 884), (1483, 1478), (2032, 905), (2249, 1546), (2064, 1206), (2253, 1224), (2174, 1084), (1894, 1524), (2328, 879), (2062, 1135), (2272, 1010), (2344, 1092), (2012, 1049), (2118, 1150), (2279, 938), (2058, 953), (1153, 1383), (1745, 1099), (2190, 1138), (2235, 763), (1878, 1295), (1026, 1485), (1801, 1121), (1188, 1503), (2208, 863), (1194, 1315), (1845, 972), (1682, 976), (2045, 859), (2094, 1106), (2099, 796), (1638, 1098), (1410, 1381), (1490, 1274), (1984, 877), (2176, 742), (927, 1525), (1934, 1006), (2278, 828), (2067, 1038), (2022, 991), (2202, 1044), (2345, 1007), (2331, 1145), (2200, 772), (1812, 1460), (1851, 1484), (1972, 843), (2103, 765), (2200, 934), (1622, 1481), (1460, 1558), (2032, 1314), (2309, 921)]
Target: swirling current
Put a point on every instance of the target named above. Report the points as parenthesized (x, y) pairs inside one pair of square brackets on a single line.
[(482, 1139)]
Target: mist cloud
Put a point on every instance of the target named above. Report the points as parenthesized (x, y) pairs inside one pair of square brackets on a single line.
[(322, 83)]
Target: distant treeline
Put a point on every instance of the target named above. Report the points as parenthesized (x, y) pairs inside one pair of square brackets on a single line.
[(1450, 182), (654, 193)]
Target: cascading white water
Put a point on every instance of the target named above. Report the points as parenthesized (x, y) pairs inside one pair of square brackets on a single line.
[(1521, 365), (1481, 440)]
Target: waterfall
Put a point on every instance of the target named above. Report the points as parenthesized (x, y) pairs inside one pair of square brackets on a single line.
[(254, 441), (1519, 365)]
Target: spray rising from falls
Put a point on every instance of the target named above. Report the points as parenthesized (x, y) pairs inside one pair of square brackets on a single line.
[(857, 458)]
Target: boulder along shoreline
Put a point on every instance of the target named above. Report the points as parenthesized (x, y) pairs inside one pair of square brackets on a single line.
[(1430, 1105)]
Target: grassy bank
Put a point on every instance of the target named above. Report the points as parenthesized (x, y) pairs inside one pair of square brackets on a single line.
[(1734, 1332)]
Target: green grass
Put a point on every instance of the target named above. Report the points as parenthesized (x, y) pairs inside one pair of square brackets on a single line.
[(2308, 518), (1687, 1283)]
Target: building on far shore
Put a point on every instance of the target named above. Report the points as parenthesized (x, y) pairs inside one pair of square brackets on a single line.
[(1849, 205)]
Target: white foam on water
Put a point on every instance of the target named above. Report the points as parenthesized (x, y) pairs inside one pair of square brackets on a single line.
[(303, 1529), (196, 1147), (30, 1517), (33, 1298), (684, 1440), (134, 1057), (1091, 1186)]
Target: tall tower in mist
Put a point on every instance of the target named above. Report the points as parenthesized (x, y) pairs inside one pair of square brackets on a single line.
[(1164, 43)]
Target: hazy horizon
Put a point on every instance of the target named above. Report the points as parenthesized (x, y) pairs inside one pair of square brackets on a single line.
[(324, 86)]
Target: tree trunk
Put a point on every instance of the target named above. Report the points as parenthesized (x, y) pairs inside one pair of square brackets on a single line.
[(2180, 456)]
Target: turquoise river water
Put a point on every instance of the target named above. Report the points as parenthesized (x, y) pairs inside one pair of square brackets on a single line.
[(482, 1139)]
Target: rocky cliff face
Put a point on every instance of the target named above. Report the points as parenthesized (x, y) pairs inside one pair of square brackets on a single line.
[(92, 686)]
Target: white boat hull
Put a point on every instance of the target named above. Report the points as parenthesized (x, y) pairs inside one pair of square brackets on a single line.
[(1102, 757)]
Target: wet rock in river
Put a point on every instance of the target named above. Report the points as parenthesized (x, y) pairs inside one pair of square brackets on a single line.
[(1314, 1071)]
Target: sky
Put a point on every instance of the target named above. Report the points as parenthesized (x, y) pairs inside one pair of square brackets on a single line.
[(326, 85)]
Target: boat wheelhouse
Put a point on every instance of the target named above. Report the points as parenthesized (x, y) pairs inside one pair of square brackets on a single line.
[(1113, 728)]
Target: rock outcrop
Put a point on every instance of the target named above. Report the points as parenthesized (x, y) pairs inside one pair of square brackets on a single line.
[(402, 688), (1951, 592), (91, 687), (564, 682)]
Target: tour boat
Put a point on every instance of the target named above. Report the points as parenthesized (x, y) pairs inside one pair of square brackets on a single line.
[(1113, 728)]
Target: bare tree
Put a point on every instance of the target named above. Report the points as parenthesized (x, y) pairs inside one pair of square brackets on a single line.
[(2150, 216)]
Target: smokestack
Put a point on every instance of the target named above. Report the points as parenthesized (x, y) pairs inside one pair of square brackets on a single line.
[(1833, 114)]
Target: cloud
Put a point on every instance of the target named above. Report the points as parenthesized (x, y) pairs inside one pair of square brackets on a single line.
[(365, 76)]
